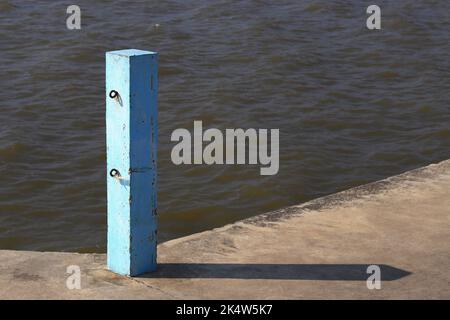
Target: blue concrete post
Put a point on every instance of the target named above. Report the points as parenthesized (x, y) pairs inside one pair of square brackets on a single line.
[(131, 144)]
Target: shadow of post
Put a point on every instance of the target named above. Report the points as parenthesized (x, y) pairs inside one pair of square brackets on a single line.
[(343, 272)]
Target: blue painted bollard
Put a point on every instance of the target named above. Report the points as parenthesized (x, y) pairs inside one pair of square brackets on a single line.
[(131, 143)]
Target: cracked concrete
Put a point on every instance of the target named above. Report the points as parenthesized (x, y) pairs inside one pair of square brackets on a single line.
[(319, 249)]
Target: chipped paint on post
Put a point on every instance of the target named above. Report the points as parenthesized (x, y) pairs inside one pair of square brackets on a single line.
[(131, 142)]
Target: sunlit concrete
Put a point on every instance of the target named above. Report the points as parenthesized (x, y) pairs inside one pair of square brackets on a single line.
[(320, 249)]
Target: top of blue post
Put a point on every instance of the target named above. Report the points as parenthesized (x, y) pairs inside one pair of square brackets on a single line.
[(131, 52)]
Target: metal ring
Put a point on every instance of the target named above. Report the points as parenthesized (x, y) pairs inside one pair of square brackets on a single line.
[(113, 94), (114, 173)]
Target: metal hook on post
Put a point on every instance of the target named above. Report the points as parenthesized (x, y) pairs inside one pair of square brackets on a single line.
[(116, 174), (113, 94)]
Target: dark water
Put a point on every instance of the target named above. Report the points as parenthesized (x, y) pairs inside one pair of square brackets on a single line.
[(352, 105)]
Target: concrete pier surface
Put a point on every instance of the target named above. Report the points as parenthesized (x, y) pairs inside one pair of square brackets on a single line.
[(319, 249)]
